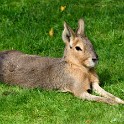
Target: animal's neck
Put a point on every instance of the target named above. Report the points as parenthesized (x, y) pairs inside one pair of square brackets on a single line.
[(75, 63)]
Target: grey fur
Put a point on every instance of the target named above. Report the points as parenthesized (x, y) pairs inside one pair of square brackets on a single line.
[(31, 70)]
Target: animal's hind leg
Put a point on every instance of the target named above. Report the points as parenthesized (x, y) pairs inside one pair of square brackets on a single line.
[(90, 97), (102, 92)]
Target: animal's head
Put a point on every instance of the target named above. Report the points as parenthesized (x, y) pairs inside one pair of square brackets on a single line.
[(79, 49)]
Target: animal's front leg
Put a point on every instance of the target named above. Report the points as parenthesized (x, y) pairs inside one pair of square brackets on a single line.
[(90, 97), (80, 91), (102, 92), (96, 88)]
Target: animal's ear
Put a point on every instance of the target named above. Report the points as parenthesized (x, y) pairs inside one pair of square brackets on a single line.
[(68, 34), (80, 29)]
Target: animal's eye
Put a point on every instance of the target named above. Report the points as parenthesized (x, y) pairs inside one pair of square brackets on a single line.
[(78, 48)]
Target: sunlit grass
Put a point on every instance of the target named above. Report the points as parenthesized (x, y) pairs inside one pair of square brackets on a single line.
[(25, 26)]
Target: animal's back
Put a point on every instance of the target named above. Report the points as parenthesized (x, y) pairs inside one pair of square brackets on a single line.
[(30, 70)]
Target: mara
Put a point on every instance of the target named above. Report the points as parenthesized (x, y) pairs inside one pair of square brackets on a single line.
[(74, 72)]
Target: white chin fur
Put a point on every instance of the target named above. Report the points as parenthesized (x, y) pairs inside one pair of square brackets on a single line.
[(91, 64)]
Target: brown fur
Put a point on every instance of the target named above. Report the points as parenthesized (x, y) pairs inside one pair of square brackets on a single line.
[(74, 72)]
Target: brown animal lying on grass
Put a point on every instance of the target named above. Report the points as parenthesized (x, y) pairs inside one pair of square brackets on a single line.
[(74, 72)]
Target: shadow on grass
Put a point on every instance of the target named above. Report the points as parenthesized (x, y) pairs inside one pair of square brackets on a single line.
[(104, 77)]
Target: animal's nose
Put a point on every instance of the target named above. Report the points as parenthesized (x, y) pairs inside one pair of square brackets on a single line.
[(95, 59)]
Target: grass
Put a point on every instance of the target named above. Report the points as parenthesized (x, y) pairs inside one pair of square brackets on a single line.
[(25, 26)]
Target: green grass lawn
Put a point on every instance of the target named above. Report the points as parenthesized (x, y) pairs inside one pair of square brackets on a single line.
[(25, 26)]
